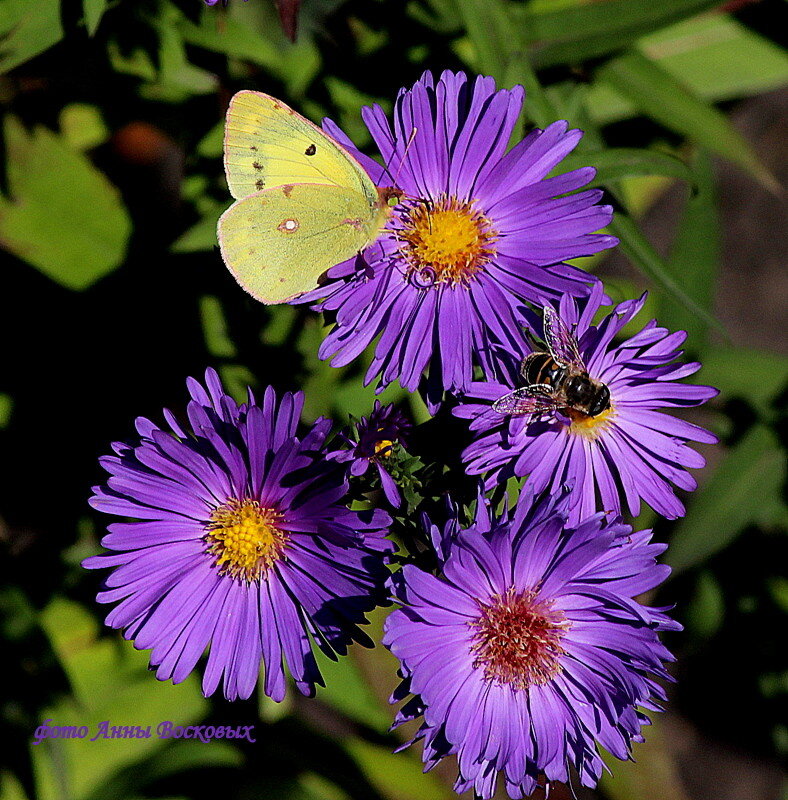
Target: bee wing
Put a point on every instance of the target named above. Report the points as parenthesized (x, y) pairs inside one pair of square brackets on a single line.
[(561, 341), (526, 400)]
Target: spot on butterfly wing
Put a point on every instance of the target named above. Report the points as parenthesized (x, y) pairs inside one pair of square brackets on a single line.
[(289, 225)]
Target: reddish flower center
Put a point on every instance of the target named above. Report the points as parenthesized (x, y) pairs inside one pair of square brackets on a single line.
[(446, 241), (517, 639), (245, 539)]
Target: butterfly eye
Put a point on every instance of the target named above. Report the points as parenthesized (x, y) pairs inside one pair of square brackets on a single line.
[(394, 200)]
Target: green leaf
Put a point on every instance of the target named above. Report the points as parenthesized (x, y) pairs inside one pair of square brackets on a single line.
[(657, 94), (695, 256), (27, 29), (214, 328), (228, 36), (571, 35), (202, 235), (82, 126), (237, 378), (354, 398), (136, 62), (319, 788), (538, 108), (347, 691), (177, 77), (251, 32), (93, 11), (62, 215), (6, 406), (368, 40), (212, 144), (349, 101), (442, 18), (173, 79), (646, 259), (398, 776), (706, 608), (110, 681), (281, 321), (717, 57), (756, 376), (497, 50), (778, 591), (10, 787), (652, 773), (321, 380), (615, 163), (751, 474), (490, 29), (175, 756), (418, 409)]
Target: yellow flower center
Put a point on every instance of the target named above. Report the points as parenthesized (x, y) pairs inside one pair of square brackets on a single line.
[(517, 639), (447, 241), (245, 539), (590, 427), (383, 447)]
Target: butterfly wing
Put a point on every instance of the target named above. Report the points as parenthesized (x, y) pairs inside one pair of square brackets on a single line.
[(561, 341), (267, 144), (279, 241), (526, 400)]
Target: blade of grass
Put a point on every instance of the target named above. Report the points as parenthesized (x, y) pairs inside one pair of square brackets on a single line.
[(695, 255), (614, 163), (752, 472), (646, 259), (490, 29), (574, 34), (658, 95)]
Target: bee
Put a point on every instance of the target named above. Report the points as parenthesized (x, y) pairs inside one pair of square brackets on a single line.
[(556, 379)]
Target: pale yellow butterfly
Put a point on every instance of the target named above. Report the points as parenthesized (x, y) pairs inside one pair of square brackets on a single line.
[(303, 202)]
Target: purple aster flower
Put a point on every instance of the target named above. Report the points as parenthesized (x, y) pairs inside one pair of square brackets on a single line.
[(529, 650), (241, 540), (377, 436), (481, 230), (631, 447)]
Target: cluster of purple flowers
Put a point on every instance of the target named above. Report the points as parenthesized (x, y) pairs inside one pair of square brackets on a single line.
[(526, 648)]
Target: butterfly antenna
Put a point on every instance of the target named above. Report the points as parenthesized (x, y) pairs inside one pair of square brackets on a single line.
[(405, 154), (387, 165)]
